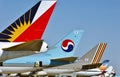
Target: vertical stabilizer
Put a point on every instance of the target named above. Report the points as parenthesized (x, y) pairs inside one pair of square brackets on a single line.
[(31, 25), (104, 65), (99, 53), (94, 55), (66, 47)]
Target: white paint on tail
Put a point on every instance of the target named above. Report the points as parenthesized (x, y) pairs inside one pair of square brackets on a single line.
[(44, 6)]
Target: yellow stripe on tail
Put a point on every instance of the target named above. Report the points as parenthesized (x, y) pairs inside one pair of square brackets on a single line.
[(99, 53)]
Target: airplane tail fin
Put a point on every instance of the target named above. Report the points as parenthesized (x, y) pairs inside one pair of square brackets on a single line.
[(65, 48), (31, 25), (104, 65), (94, 55), (99, 53), (105, 62)]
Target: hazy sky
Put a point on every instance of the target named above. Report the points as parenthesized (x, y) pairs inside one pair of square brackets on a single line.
[(99, 18)]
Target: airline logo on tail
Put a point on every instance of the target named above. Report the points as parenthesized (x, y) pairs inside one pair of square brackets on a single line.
[(31, 25), (104, 65), (99, 53), (68, 45)]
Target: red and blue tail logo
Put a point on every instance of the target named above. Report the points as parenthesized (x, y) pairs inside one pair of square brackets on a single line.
[(31, 25), (67, 45)]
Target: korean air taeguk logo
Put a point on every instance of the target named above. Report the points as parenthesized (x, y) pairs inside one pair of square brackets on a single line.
[(67, 45)]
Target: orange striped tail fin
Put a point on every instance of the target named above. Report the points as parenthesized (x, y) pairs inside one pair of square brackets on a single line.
[(94, 55), (100, 50)]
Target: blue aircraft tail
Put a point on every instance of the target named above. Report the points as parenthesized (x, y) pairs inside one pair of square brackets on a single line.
[(66, 47), (105, 62), (104, 65)]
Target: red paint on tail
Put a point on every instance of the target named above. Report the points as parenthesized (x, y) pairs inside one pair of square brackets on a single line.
[(36, 30)]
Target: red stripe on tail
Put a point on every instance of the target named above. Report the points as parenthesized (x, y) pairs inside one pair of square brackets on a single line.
[(36, 30)]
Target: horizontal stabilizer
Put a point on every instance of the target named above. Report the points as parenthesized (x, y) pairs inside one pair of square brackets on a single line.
[(91, 66), (34, 45), (62, 61), (66, 59)]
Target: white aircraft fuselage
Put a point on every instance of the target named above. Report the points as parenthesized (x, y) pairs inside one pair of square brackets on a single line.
[(12, 70)]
